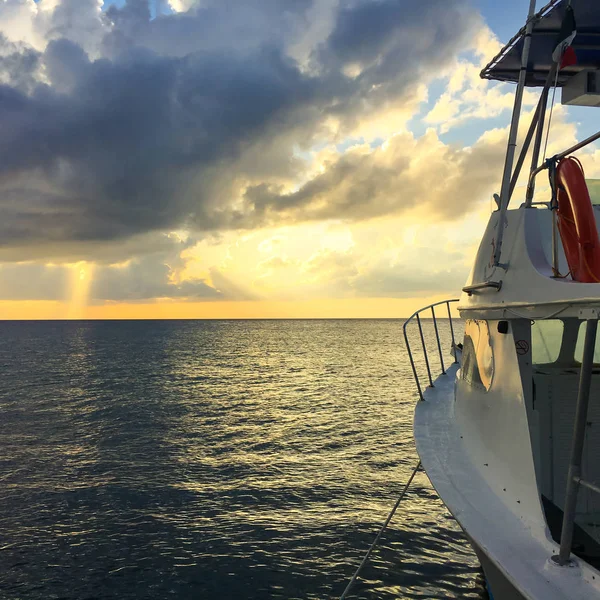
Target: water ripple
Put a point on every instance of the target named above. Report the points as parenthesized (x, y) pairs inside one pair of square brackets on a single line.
[(231, 459)]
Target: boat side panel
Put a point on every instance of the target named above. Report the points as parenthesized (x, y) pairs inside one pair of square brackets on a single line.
[(526, 273), (495, 430)]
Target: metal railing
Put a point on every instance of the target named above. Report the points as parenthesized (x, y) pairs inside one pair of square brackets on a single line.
[(417, 316), (556, 158)]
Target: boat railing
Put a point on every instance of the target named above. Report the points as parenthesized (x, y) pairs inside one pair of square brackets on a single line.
[(417, 316), (545, 165)]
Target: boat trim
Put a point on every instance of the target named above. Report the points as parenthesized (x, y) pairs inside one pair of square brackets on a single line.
[(590, 300)]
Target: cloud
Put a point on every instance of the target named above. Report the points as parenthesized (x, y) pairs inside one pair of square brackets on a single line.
[(357, 273), (391, 257), (144, 279), (468, 97), (36, 23), (405, 173), (140, 279), (33, 281), (115, 126), (402, 281), (242, 150), (181, 5)]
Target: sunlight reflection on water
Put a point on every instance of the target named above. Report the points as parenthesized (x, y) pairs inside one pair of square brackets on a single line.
[(205, 459)]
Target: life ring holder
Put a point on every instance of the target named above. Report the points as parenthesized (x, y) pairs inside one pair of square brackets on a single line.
[(577, 221)]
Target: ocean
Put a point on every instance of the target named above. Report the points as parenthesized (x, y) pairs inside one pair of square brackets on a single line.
[(216, 459)]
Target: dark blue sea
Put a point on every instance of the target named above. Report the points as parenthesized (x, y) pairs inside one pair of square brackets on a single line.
[(215, 459)]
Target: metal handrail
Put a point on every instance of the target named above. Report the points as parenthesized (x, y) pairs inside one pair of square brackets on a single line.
[(469, 289), (558, 157), (417, 316), (588, 485)]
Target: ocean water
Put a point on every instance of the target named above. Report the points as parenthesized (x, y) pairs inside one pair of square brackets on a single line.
[(216, 459)]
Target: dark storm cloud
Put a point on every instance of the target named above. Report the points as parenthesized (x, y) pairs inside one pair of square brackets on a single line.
[(18, 65), (231, 26), (184, 111), (393, 43), (135, 144)]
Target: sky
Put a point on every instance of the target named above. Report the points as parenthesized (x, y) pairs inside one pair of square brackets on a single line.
[(250, 158)]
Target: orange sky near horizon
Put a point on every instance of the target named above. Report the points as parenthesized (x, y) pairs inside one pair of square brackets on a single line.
[(359, 308)]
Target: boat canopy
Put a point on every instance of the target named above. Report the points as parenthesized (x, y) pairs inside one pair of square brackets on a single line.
[(547, 23)]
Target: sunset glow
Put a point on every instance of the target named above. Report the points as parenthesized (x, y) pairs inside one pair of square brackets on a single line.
[(357, 186)]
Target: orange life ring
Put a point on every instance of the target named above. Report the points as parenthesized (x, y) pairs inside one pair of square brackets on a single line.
[(577, 222)]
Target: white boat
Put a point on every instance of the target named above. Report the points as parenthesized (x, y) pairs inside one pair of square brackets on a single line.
[(509, 434)]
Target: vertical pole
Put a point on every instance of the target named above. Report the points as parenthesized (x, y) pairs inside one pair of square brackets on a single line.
[(424, 351), (555, 271), (451, 331), (536, 147), (437, 337), (585, 379), (525, 148), (512, 137)]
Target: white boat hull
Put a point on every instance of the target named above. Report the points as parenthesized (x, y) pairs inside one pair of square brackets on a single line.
[(515, 549), (499, 586)]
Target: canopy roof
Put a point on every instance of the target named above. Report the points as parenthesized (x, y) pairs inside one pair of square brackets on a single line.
[(506, 65)]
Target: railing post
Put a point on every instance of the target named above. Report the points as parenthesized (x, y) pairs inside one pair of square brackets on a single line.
[(439, 345), (451, 331), (412, 362), (574, 475), (425, 351)]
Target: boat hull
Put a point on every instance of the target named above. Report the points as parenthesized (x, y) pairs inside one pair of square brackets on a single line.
[(499, 587), (515, 551)]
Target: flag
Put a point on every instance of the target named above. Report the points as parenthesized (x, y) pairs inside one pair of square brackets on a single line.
[(563, 52)]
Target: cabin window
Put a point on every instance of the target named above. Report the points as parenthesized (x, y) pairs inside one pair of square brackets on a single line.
[(546, 340), (580, 341), (477, 365)]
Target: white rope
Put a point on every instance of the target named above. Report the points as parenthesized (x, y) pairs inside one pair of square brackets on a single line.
[(550, 117), (386, 523), (551, 110)]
